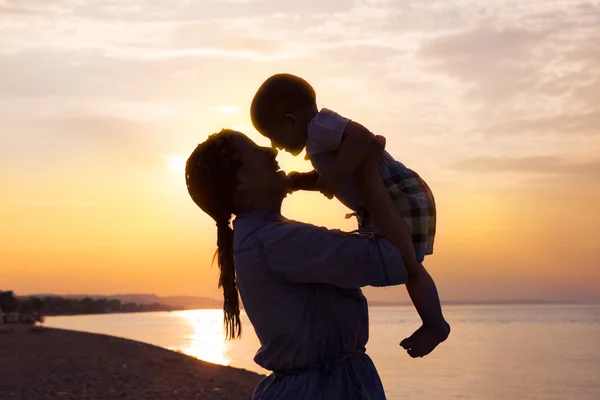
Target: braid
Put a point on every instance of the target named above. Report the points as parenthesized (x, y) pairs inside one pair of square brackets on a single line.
[(228, 280), (211, 178)]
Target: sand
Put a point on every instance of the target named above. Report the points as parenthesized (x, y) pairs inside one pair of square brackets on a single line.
[(60, 364)]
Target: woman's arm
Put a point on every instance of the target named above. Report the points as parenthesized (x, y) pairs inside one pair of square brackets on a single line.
[(303, 253), (380, 205)]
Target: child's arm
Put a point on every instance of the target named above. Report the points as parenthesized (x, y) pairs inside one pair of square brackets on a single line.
[(302, 181), (381, 208), (355, 143)]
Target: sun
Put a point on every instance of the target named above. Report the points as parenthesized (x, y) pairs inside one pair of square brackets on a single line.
[(176, 163)]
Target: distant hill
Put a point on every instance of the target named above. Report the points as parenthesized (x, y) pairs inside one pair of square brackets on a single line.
[(191, 302), (187, 302)]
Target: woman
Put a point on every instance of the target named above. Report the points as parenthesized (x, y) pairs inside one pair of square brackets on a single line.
[(300, 283)]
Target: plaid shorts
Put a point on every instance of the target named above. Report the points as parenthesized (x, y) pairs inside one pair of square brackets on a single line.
[(415, 203)]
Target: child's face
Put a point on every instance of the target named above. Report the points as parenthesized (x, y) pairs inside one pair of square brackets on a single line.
[(289, 135)]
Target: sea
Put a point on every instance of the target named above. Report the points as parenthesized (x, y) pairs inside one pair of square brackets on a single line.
[(495, 352)]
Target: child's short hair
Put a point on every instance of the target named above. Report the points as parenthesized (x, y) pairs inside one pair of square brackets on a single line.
[(280, 93)]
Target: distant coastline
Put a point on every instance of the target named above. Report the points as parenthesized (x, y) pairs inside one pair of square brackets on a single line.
[(175, 302), (179, 303)]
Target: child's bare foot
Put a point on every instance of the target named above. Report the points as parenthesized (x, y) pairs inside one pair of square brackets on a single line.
[(425, 339)]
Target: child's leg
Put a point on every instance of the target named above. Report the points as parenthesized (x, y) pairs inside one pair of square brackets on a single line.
[(421, 287), (423, 293)]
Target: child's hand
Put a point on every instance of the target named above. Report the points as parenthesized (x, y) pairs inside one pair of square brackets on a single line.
[(292, 181), (328, 184), (302, 181)]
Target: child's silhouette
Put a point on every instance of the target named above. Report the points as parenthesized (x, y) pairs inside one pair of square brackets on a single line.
[(284, 110)]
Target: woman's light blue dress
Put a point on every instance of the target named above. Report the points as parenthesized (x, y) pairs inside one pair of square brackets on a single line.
[(300, 285)]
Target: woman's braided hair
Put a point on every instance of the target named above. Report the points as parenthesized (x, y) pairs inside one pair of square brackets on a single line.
[(211, 178)]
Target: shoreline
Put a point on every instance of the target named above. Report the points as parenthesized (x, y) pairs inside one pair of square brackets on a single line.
[(120, 312), (49, 363), (371, 304)]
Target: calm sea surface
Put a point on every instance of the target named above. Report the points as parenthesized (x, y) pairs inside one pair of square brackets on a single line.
[(495, 352)]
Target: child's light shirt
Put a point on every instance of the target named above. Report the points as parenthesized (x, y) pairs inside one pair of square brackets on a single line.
[(325, 134), (412, 196)]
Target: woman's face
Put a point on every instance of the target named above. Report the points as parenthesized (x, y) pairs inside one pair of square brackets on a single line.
[(259, 173)]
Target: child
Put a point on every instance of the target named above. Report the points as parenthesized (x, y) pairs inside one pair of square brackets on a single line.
[(284, 110)]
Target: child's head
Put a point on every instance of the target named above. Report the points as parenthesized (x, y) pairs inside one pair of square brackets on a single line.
[(281, 110)]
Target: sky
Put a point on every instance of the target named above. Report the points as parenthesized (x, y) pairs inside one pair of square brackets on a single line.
[(495, 104)]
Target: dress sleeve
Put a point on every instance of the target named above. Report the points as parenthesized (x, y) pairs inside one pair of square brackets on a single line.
[(304, 253)]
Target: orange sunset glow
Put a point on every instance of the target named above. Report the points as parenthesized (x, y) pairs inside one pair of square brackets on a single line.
[(496, 107)]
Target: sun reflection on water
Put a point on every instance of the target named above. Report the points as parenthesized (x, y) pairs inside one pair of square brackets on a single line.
[(206, 337)]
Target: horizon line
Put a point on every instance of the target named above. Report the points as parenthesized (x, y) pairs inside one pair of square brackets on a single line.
[(514, 301)]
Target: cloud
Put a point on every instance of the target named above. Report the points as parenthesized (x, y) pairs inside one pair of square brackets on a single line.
[(73, 107), (197, 53), (31, 7), (567, 124), (484, 43), (538, 165), (473, 73), (496, 65), (11, 11), (588, 94), (536, 74), (45, 144), (208, 35), (100, 77)]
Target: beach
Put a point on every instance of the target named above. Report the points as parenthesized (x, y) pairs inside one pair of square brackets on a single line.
[(497, 352), (46, 363)]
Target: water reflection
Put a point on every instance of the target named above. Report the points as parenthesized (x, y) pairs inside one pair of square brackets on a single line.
[(204, 336)]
